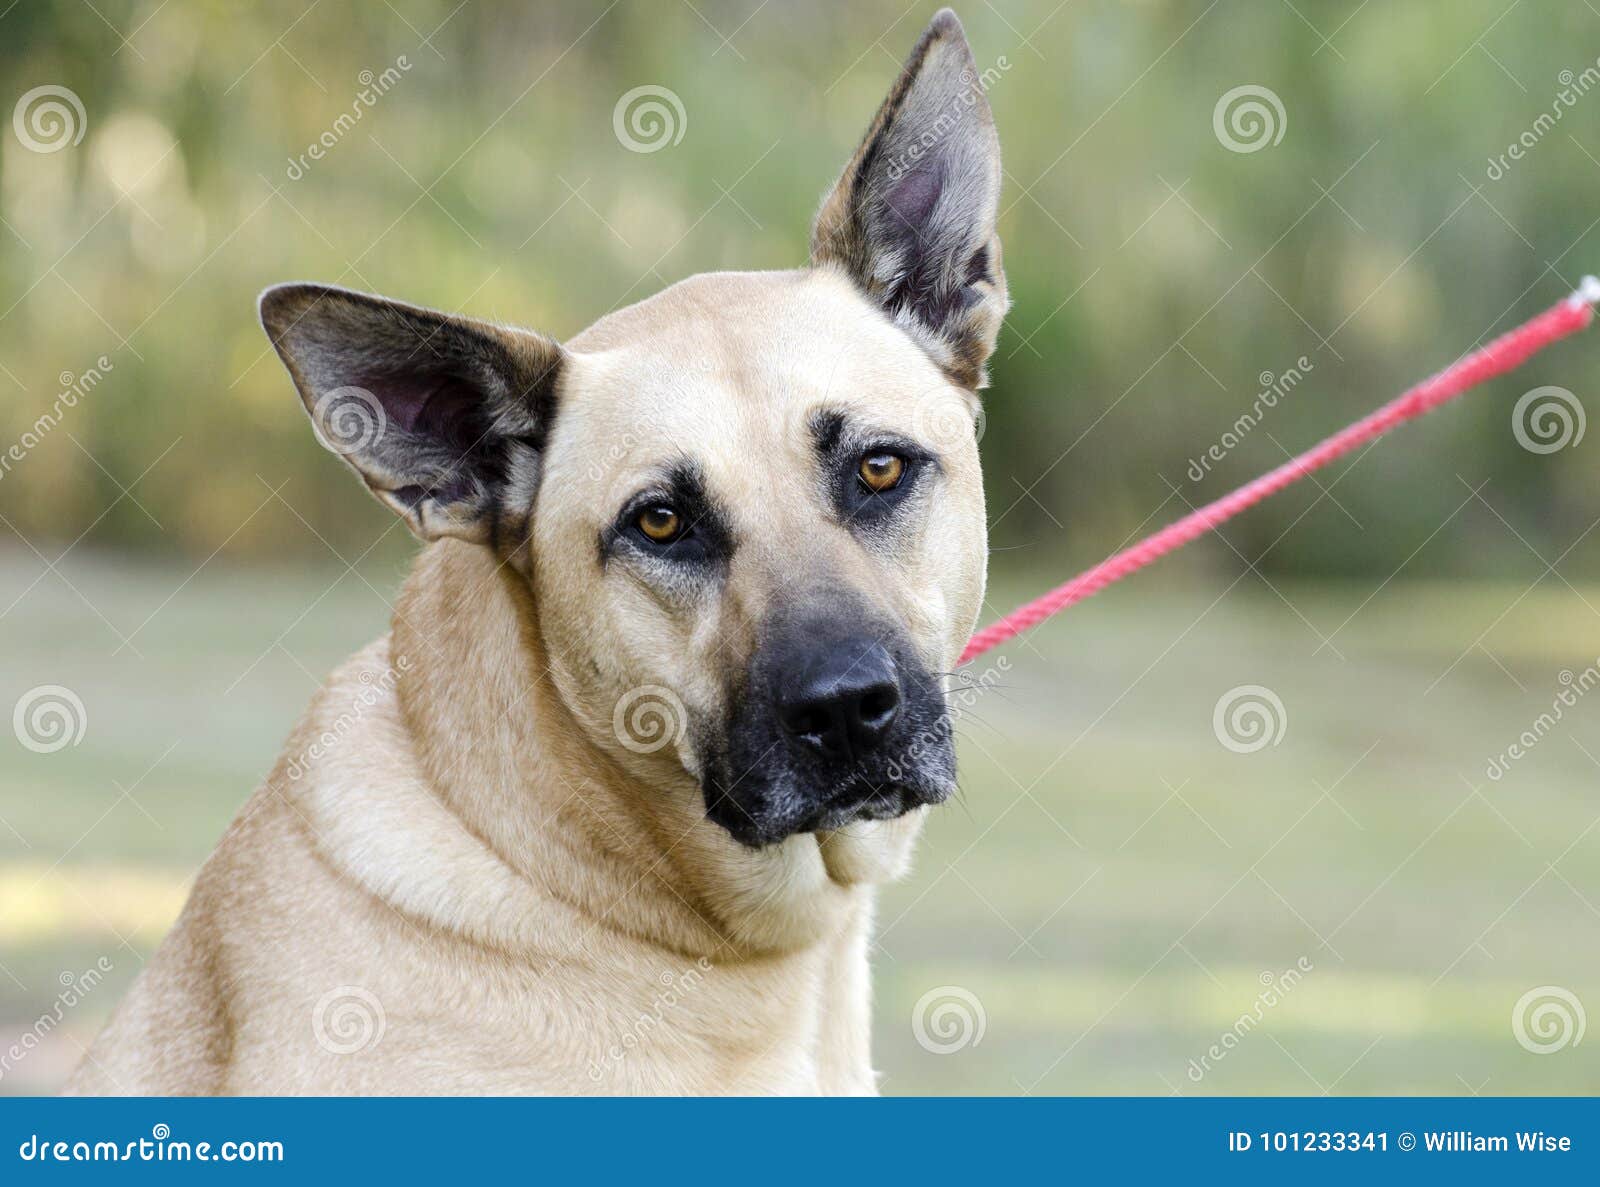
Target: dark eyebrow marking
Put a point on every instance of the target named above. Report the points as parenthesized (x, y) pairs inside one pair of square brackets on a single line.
[(835, 432), (827, 427), (685, 481), (682, 484)]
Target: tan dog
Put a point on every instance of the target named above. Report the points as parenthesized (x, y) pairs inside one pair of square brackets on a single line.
[(662, 702)]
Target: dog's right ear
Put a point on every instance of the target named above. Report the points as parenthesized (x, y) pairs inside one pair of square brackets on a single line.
[(912, 218), (443, 417)]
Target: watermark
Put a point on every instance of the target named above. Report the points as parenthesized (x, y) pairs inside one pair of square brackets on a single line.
[(1548, 1019), (74, 988), (1548, 419), (649, 718), (1248, 718), (1273, 388), (947, 1019), (373, 88), (1249, 118), (1275, 987), (1573, 688), (614, 453), (48, 718), (941, 732), (348, 420), (675, 987), (1573, 88), (348, 1020), (973, 87), (961, 699), (49, 118), (649, 118), (946, 421), (621, 445), (373, 690), (73, 389), (160, 1146)]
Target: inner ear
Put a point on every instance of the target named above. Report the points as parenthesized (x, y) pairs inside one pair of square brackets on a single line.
[(911, 219), (443, 417)]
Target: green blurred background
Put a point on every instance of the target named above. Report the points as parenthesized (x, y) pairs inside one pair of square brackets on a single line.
[(1115, 883)]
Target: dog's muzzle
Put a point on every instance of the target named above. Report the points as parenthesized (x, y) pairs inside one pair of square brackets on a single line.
[(836, 721)]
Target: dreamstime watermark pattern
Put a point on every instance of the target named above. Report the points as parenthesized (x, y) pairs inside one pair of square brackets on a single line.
[(48, 718), (373, 88), (49, 118), (649, 118), (1547, 1019), (74, 988), (618, 449), (957, 701), (1275, 987), (1573, 687), (1273, 389), (348, 1019), (374, 689), (1248, 718), (942, 421), (348, 420), (649, 718), (73, 389), (1573, 88), (160, 1146), (973, 87), (947, 1019), (1249, 118), (675, 988), (1548, 420)]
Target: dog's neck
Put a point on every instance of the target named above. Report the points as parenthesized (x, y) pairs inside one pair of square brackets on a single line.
[(503, 751)]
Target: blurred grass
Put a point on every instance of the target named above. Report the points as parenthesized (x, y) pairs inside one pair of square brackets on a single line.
[(1111, 885)]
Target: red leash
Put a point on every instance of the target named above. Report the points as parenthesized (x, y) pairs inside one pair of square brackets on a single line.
[(1503, 354)]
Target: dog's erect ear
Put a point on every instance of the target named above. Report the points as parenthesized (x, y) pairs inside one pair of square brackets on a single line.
[(443, 417), (912, 218)]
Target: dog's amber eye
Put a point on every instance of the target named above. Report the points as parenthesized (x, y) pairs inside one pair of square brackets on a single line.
[(881, 471), (661, 524)]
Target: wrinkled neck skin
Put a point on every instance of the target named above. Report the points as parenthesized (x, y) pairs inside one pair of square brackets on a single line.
[(500, 751)]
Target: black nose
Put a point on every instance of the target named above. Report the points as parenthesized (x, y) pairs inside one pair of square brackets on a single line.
[(840, 703)]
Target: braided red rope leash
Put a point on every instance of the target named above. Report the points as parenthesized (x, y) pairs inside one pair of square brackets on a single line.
[(1508, 351)]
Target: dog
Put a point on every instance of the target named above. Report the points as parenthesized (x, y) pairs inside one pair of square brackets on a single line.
[(662, 703)]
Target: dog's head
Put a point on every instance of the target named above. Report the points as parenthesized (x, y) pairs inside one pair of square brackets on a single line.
[(749, 508)]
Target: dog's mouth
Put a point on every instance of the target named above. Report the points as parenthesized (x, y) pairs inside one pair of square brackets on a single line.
[(862, 798), (782, 806)]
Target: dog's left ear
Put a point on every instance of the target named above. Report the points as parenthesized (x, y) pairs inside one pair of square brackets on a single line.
[(912, 218), (443, 417)]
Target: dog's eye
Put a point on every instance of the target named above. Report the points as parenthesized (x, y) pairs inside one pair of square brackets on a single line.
[(881, 471), (660, 524)]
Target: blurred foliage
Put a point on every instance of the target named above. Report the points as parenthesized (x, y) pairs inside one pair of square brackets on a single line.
[(1155, 274)]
